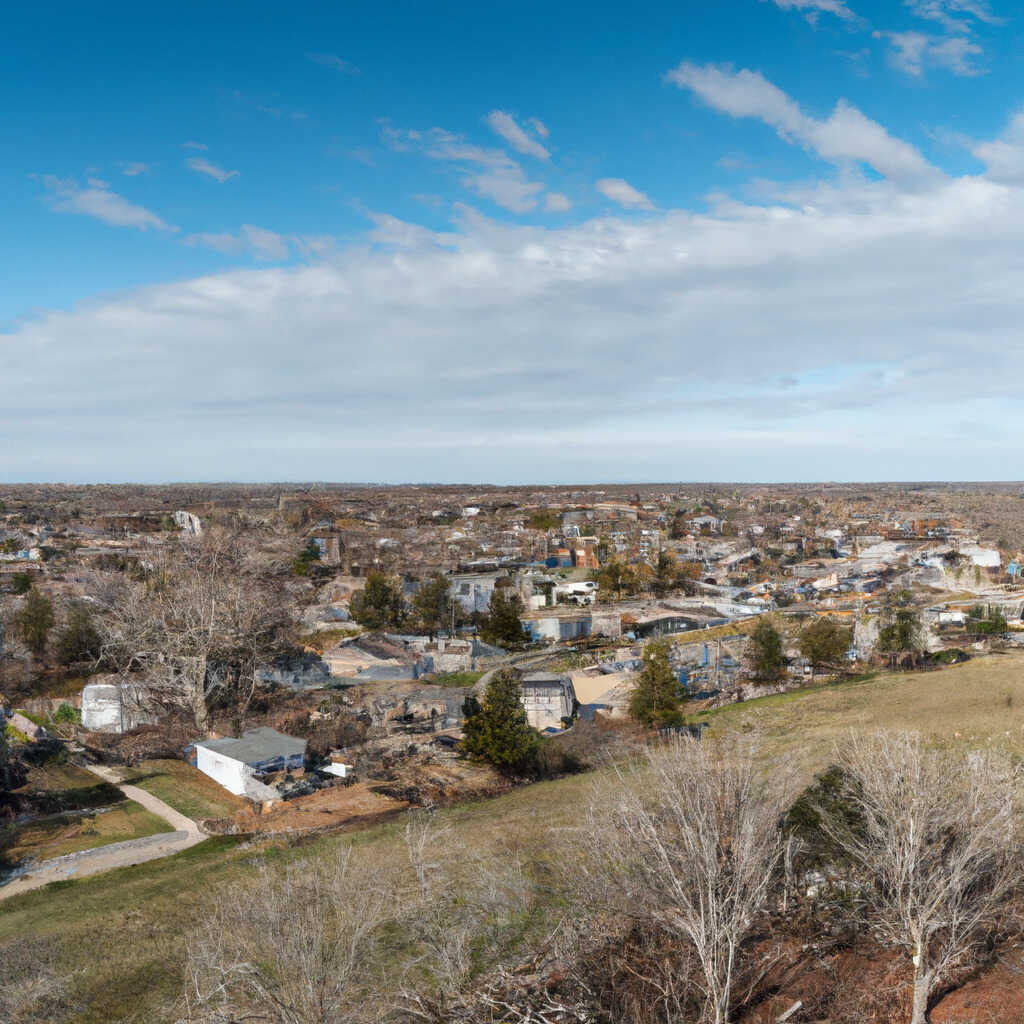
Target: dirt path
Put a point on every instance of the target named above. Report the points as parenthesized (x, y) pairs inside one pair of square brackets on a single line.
[(118, 855)]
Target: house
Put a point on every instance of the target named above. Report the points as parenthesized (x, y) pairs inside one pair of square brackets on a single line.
[(548, 699), (235, 763)]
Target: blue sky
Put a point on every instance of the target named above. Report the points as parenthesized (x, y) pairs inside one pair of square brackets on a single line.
[(758, 239)]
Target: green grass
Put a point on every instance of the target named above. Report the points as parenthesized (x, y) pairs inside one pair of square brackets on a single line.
[(184, 788), (60, 834), (455, 678)]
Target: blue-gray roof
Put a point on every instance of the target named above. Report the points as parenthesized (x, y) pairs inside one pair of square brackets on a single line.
[(255, 746)]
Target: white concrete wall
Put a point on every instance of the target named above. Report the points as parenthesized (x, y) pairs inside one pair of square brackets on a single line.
[(231, 774)]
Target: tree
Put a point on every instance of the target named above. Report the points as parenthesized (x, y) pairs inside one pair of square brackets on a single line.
[(692, 841), (431, 605), (303, 562), (900, 633), (658, 694), (79, 640), (295, 948), (769, 661), (33, 622), (666, 573), (196, 628), (380, 604), (496, 730), (21, 583), (502, 624), (935, 848), (824, 643)]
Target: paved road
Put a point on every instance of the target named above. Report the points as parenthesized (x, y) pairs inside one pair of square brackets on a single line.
[(90, 862)]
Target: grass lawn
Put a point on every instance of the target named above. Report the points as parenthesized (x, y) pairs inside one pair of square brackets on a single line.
[(184, 788), (59, 834), (126, 930), (455, 678)]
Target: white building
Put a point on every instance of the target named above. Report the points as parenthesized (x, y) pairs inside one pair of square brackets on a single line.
[(235, 763), (548, 699)]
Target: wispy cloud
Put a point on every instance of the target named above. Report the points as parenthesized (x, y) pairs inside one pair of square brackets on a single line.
[(333, 61), (1004, 156), (133, 170), (194, 145), (264, 245), (539, 127), (505, 125), (954, 15), (490, 173), (914, 52), (201, 166), (555, 202), (97, 201), (812, 8), (846, 136), (621, 192)]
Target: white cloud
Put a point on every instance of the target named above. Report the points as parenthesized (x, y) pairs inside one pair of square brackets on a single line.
[(555, 202), (954, 15), (201, 166), (260, 243), (539, 127), (624, 194), (505, 125), (333, 61), (846, 136), (1004, 157), (133, 170), (913, 52), (194, 145), (812, 8), (490, 173), (96, 200)]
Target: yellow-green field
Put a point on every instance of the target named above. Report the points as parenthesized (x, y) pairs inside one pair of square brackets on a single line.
[(126, 930), (184, 788), (59, 834)]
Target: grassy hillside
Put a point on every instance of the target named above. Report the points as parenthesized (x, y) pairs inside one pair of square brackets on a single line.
[(127, 930)]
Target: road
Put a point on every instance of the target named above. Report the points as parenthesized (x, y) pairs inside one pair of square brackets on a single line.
[(118, 855)]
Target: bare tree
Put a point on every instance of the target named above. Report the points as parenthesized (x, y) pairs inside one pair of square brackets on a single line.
[(691, 841), (295, 947), (934, 839), (199, 623)]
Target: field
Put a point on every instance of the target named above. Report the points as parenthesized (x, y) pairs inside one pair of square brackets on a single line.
[(184, 788), (126, 930)]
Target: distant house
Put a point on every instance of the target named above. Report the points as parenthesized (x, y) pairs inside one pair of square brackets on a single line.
[(547, 699), (235, 763)]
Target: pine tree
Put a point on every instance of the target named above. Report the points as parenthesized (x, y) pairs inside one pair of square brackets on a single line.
[(496, 730), (379, 604), (33, 621), (79, 640), (768, 658), (658, 695), (502, 623)]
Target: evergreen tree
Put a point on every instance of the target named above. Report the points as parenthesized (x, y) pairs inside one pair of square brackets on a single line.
[(79, 640), (496, 730), (431, 605), (501, 624), (33, 622), (768, 659), (379, 605), (900, 634), (824, 643), (658, 695)]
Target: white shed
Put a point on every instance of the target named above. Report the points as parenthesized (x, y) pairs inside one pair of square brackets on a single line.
[(235, 763)]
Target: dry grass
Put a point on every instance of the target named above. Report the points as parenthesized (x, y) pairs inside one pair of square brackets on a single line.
[(979, 702), (184, 788)]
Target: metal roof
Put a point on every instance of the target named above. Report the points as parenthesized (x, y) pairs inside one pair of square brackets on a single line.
[(257, 745)]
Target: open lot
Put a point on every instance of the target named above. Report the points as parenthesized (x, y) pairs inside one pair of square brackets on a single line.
[(126, 930)]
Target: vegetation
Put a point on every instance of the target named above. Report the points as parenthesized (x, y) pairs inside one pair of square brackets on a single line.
[(432, 607), (496, 729), (824, 643), (502, 624), (21, 583), (306, 559), (769, 662), (658, 695), (33, 622), (900, 635), (79, 641), (380, 604)]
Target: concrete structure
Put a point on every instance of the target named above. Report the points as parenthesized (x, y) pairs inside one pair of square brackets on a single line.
[(114, 707), (235, 763), (188, 523), (473, 590), (548, 699)]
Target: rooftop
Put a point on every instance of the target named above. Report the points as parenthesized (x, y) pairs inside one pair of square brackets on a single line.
[(256, 745)]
